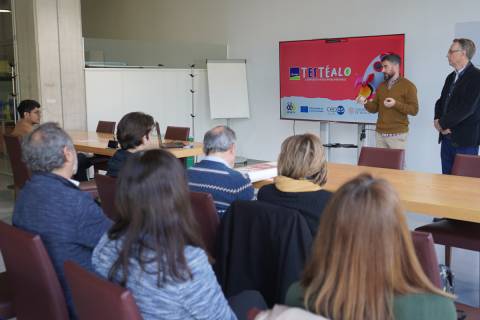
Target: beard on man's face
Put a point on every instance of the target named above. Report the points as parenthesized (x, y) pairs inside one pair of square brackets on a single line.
[(387, 76)]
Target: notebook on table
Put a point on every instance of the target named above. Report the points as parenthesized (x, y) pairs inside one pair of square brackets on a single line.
[(259, 171)]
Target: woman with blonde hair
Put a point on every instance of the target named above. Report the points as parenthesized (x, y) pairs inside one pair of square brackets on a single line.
[(363, 263), (302, 172)]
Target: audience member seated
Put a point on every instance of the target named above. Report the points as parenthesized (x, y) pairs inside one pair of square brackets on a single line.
[(154, 249), (214, 174), (68, 220), (302, 171), (29, 112), (30, 115), (363, 263), (133, 134)]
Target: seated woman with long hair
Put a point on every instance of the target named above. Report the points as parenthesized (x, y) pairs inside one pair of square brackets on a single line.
[(363, 263), (302, 172), (154, 249)]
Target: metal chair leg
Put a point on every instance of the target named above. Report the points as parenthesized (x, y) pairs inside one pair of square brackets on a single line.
[(448, 255)]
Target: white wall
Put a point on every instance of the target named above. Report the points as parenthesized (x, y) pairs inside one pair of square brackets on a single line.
[(175, 33), (191, 21), (256, 27), (162, 93)]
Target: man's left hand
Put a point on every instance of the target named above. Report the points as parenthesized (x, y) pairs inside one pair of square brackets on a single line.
[(389, 102)]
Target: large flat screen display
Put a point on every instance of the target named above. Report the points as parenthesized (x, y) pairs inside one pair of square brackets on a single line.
[(320, 79)]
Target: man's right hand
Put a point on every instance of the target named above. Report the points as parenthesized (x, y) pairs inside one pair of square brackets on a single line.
[(361, 100), (437, 126)]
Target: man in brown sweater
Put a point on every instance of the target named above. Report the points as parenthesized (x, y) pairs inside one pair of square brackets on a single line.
[(30, 114), (29, 111), (394, 100)]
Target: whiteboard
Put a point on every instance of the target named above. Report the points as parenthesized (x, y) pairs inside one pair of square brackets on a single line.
[(163, 93), (227, 89)]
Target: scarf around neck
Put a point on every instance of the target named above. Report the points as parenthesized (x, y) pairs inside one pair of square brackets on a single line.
[(286, 184)]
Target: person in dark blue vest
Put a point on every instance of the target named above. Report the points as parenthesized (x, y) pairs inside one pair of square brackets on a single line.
[(457, 112), (69, 222)]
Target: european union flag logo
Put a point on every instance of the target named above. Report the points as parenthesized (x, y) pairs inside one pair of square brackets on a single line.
[(304, 109), (295, 73)]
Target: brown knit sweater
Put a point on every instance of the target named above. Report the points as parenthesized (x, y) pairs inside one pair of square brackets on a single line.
[(395, 119)]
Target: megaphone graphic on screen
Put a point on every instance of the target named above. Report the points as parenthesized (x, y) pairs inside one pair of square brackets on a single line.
[(371, 79)]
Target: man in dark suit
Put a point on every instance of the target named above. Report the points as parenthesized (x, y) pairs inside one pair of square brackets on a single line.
[(457, 112)]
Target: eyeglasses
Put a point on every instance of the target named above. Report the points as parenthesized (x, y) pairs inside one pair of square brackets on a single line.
[(453, 51)]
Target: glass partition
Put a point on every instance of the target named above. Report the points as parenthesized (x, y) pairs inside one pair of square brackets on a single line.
[(167, 54)]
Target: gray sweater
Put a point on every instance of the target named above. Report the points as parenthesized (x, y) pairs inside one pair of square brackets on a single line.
[(199, 298)]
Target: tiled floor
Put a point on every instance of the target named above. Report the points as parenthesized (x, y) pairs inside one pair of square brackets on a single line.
[(465, 264)]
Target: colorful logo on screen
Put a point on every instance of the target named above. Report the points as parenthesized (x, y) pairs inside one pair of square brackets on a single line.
[(291, 107), (320, 73), (371, 79), (295, 73), (340, 110)]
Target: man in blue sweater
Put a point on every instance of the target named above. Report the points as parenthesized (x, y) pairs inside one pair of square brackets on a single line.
[(214, 174), (69, 222)]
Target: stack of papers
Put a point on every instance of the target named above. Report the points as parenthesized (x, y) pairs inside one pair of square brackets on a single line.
[(259, 171)]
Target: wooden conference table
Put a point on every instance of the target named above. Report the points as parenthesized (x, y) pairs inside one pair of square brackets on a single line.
[(427, 193), (97, 143)]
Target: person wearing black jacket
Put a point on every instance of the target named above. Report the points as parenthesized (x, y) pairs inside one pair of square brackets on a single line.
[(302, 173), (133, 134), (457, 112)]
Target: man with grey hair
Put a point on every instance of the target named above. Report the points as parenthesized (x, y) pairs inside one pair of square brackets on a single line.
[(214, 174), (50, 204), (457, 112)]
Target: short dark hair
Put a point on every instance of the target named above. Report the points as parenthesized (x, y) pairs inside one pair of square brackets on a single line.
[(27, 106), (392, 57), (132, 127), (467, 45), (155, 222)]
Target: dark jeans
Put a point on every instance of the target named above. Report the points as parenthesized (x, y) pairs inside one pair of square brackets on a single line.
[(245, 301), (448, 152)]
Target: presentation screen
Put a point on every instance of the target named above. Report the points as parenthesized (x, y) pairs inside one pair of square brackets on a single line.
[(320, 79)]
